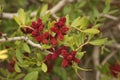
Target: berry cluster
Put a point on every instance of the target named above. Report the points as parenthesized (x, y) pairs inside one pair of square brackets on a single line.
[(68, 57), (115, 70), (59, 29)]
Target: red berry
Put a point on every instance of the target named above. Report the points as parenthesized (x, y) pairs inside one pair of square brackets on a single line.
[(35, 33)]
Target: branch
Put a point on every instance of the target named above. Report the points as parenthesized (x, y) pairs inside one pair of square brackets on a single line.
[(115, 45), (55, 9), (21, 38), (111, 17), (108, 57), (96, 61)]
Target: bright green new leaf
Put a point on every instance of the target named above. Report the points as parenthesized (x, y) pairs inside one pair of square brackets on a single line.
[(44, 67), (21, 16), (26, 48), (17, 69), (91, 31), (43, 10), (45, 46), (96, 26), (17, 20), (76, 22), (79, 55), (81, 38), (45, 18), (31, 76), (98, 42), (83, 22), (19, 56), (67, 20)]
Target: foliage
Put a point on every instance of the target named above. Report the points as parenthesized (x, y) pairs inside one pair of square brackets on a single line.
[(62, 42)]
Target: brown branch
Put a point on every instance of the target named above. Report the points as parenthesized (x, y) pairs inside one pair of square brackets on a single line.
[(111, 17), (20, 38), (115, 45), (96, 61), (108, 57), (55, 9)]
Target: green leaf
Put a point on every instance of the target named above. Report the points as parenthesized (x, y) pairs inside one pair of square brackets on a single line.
[(45, 46), (44, 67), (83, 22), (79, 55), (97, 25), (19, 76), (17, 20), (76, 22), (81, 38), (17, 69), (43, 10), (107, 6), (95, 11), (1, 9), (21, 16), (45, 18), (98, 42), (19, 56), (26, 48), (113, 11), (106, 9), (31, 76), (91, 31), (67, 20), (58, 70)]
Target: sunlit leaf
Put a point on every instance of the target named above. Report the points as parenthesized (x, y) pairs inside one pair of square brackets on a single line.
[(3, 51), (67, 20), (45, 46), (43, 10), (44, 67), (98, 41), (91, 31), (17, 20), (76, 22), (79, 55), (21, 16), (3, 54), (26, 48)]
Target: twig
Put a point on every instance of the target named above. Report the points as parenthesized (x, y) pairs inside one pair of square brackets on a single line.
[(115, 45), (108, 57), (21, 38), (55, 9), (81, 45), (96, 61), (111, 17)]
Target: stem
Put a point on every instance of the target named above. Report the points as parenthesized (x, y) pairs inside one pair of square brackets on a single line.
[(79, 76), (81, 45), (77, 29)]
